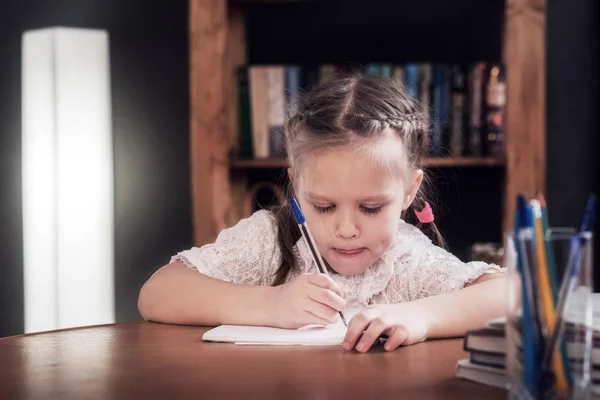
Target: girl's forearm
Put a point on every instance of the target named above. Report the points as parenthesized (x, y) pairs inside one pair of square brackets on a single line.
[(453, 314), (177, 295)]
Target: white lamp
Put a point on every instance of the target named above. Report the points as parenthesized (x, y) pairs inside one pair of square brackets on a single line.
[(68, 185)]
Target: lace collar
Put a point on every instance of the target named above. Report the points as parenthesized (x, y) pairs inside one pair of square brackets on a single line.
[(360, 288)]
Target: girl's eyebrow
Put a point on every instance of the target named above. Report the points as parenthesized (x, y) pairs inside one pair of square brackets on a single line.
[(314, 196), (383, 197), (377, 198)]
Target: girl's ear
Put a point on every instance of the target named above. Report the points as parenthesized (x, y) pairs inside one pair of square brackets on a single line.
[(290, 176), (413, 187)]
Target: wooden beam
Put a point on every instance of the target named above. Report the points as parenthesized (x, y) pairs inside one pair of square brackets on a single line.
[(235, 55), (209, 141), (525, 138)]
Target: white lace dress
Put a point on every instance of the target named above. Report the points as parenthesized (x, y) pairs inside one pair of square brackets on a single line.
[(413, 267)]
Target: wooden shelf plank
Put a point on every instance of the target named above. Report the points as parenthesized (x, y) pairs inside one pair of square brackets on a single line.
[(242, 2), (463, 162), (428, 162), (259, 163)]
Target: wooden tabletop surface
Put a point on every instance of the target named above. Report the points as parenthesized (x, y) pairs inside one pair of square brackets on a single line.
[(154, 361)]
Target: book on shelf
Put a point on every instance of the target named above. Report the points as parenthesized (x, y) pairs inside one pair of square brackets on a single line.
[(463, 105)]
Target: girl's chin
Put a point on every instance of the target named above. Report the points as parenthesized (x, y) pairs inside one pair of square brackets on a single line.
[(348, 269)]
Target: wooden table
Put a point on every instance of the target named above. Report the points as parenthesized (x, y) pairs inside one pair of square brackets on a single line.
[(154, 361)]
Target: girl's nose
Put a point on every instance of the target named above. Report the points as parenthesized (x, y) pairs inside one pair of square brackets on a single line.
[(346, 227)]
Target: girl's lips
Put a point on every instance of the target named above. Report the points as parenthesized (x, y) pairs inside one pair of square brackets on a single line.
[(349, 252)]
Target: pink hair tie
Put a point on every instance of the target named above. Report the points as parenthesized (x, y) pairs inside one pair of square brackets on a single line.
[(425, 216)]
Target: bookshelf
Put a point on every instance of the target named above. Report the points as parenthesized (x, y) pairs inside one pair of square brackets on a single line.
[(219, 43)]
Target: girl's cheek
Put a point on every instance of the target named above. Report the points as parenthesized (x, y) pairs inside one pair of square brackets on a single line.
[(387, 241), (389, 233)]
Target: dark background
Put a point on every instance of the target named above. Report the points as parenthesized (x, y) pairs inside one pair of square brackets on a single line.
[(150, 92)]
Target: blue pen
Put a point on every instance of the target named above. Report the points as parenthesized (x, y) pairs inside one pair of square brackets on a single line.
[(588, 215), (310, 242), (529, 320)]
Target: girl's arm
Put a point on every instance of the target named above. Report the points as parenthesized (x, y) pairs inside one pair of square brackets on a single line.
[(453, 314), (210, 291), (433, 294), (177, 295), (443, 315)]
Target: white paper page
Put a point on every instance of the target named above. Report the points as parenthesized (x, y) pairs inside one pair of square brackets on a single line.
[(260, 335)]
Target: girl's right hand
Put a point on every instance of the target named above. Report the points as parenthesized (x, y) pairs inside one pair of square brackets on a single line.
[(308, 299)]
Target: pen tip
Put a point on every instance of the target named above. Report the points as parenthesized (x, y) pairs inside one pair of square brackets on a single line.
[(522, 211), (541, 198), (589, 213), (343, 319)]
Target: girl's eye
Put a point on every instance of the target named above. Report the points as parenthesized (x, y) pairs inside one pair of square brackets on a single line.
[(324, 210), (373, 210)]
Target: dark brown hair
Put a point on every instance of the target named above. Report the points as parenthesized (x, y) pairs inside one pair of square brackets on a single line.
[(342, 111)]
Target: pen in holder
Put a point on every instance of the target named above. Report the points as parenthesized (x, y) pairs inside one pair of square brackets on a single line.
[(549, 327)]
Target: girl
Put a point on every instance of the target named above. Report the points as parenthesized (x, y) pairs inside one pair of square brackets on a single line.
[(354, 146)]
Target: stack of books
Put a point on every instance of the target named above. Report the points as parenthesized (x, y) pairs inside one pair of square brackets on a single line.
[(486, 348)]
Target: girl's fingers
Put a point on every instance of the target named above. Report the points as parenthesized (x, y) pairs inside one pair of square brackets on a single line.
[(397, 336), (312, 319), (326, 282), (372, 333), (321, 311), (356, 327), (327, 297)]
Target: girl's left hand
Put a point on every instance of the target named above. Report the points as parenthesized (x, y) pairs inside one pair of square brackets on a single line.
[(404, 324)]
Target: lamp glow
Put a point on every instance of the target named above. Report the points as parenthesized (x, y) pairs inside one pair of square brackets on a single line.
[(68, 184)]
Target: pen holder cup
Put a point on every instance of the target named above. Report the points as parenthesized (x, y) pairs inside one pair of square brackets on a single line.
[(547, 275)]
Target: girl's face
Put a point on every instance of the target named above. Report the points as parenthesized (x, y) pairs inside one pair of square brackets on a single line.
[(352, 207)]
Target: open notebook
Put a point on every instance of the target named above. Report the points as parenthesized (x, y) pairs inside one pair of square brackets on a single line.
[(310, 335)]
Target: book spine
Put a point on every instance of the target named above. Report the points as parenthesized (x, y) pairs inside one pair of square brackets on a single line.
[(326, 72), (244, 117), (494, 360), (374, 69), (293, 85), (387, 70), (259, 106), (457, 128), (310, 77), (411, 80), (495, 111), (445, 109), (276, 110), (398, 74), (476, 102), (425, 71), (440, 110)]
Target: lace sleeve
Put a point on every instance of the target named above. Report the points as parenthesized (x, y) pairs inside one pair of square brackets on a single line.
[(246, 253), (422, 269)]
